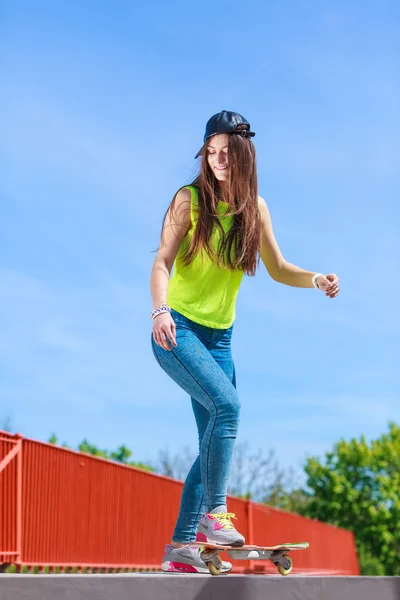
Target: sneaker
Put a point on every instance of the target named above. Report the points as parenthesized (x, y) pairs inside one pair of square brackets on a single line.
[(187, 560), (216, 527)]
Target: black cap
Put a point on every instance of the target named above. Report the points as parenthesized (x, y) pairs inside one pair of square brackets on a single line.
[(226, 122)]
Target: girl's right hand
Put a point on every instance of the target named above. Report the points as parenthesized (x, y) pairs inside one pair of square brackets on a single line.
[(163, 326)]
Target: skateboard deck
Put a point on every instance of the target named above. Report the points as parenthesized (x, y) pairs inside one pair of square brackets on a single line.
[(278, 554)]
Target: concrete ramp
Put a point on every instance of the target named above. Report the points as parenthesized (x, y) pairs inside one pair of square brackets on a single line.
[(158, 586)]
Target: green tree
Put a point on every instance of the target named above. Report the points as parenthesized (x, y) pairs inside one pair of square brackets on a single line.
[(53, 440), (89, 448), (121, 455), (285, 498), (357, 487), (7, 426)]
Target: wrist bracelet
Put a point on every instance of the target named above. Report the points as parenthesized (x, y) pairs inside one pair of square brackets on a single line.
[(314, 280), (160, 309)]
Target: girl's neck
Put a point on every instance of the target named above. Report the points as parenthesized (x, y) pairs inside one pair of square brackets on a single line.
[(222, 192)]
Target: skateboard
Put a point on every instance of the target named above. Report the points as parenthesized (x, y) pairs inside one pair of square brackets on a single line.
[(278, 555)]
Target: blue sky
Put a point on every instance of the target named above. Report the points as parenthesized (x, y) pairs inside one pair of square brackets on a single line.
[(103, 107)]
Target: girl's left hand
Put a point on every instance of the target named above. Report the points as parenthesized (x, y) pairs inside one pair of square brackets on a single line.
[(329, 284)]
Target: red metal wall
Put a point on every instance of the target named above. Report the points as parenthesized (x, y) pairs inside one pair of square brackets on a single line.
[(10, 502), (81, 510)]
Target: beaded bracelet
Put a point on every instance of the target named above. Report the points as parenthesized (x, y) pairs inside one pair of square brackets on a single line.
[(163, 308)]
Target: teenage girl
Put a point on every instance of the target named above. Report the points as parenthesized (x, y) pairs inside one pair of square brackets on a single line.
[(214, 231)]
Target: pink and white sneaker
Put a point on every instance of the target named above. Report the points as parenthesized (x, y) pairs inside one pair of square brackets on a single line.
[(216, 527), (187, 560)]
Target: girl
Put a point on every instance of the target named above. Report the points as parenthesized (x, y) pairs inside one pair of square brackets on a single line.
[(214, 231)]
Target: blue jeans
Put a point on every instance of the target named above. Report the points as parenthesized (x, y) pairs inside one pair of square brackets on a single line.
[(202, 365)]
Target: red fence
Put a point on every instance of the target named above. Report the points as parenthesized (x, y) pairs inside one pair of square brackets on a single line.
[(67, 509)]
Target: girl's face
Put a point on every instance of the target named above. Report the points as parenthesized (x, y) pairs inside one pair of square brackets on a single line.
[(217, 156)]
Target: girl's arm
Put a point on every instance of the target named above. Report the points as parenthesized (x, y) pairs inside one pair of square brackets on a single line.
[(283, 271), (176, 225)]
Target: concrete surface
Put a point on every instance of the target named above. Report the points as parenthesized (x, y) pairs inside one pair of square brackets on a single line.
[(146, 586)]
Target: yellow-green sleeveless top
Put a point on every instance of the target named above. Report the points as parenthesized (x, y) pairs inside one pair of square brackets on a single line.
[(202, 291)]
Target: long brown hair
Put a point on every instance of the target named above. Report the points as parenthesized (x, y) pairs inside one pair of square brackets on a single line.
[(240, 247)]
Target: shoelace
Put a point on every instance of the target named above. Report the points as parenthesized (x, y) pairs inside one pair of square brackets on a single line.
[(224, 519)]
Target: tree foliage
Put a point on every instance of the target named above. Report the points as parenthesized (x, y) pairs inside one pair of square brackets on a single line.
[(7, 425), (121, 454), (357, 487)]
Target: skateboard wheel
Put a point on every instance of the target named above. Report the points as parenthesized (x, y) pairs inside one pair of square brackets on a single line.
[(285, 570), (215, 565), (213, 569)]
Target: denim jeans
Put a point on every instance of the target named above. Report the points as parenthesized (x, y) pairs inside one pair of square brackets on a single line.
[(202, 365)]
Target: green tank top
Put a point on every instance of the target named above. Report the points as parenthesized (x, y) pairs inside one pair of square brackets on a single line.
[(202, 291)]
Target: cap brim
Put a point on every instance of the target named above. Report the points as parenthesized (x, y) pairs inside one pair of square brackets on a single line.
[(200, 151)]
